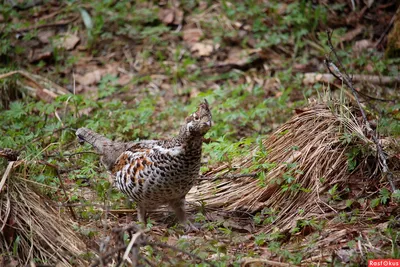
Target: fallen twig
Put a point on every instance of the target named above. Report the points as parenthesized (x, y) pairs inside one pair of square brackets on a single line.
[(249, 262), (313, 77), (6, 173), (45, 89), (252, 62), (55, 24), (134, 239), (344, 77), (138, 240)]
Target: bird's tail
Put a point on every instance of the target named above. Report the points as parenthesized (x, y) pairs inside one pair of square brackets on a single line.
[(98, 141)]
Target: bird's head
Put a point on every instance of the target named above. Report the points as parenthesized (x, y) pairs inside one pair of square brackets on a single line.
[(199, 122)]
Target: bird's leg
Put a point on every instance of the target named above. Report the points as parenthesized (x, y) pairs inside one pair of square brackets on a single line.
[(178, 207), (142, 215)]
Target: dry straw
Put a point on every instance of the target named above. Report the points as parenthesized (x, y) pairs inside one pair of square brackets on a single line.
[(311, 149), (32, 230)]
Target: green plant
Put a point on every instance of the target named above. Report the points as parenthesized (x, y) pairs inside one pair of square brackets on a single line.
[(352, 155), (383, 198), (333, 193), (266, 216)]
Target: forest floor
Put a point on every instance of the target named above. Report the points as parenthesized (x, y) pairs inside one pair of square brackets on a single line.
[(135, 70)]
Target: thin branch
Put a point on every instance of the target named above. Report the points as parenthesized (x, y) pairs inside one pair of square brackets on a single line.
[(344, 77), (135, 253), (55, 24), (55, 167), (379, 99), (384, 33), (42, 136), (135, 244), (103, 207), (74, 154), (105, 256), (315, 77), (251, 262)]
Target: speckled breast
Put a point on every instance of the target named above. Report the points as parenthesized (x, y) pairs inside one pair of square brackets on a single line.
[(159, 179)]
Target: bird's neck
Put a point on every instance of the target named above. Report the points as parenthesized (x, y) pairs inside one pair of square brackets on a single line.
[(191, 143)]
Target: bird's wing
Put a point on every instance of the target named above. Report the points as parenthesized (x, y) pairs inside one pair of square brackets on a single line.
[(139, 163)]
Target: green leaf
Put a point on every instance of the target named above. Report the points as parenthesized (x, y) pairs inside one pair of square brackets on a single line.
[(333, 190), (260, 239), (396, 195), (385, 195), (15, 246), (39, 178), (87, 19), (375, 202), (349, 202)]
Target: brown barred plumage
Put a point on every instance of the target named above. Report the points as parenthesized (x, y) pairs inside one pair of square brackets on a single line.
[(156, 172)]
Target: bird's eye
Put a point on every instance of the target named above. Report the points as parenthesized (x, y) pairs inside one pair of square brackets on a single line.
[(196, 117)]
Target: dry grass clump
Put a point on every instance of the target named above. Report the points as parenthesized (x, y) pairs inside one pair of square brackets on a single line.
[(32, 230), (306, 158)]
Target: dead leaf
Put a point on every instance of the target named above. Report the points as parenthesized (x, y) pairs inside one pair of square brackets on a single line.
[(90, 92), (202, 49), (67, 41), (178, 18), (172, 240), (194, 92), (192, 35), (202, 5), (92, 74), (346, 254), (38, 55), (237, 56), (350, 35), (171, 16), (44, 36), (312, 78), (45, 95), (369, 3), (90, 77), (112, 68), (362, 45), (369, 68), (124, 79), (166, 16)]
